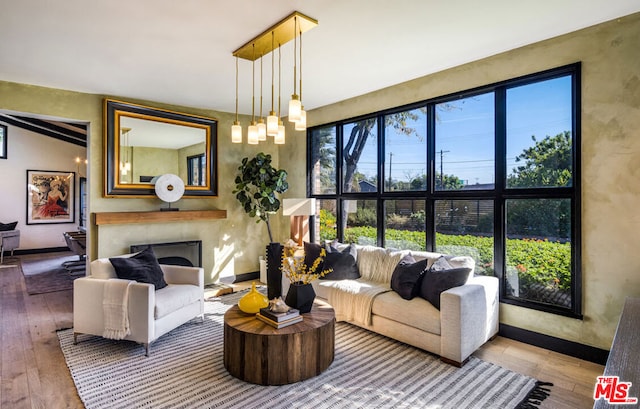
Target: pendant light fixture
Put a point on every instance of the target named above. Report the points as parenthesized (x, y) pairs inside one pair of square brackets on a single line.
[(236, 129), (252, 133), (272, 119), (294, 104), (301, 124), (279, 138), (262, 126), (125, 163), (282, 32)]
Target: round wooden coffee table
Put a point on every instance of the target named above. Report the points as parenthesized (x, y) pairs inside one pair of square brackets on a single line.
[(259, 353)]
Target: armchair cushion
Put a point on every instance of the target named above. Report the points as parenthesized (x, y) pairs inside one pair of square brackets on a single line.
[(175, 296), (142, 267)]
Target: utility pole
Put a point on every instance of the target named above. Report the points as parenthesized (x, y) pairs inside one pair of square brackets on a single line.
[(390, 163), (441, 168)]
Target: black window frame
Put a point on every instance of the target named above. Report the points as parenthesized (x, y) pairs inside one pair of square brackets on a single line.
[(499, 194)]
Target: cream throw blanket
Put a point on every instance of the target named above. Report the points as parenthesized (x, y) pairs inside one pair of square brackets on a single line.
[(115, 307), (352, 300)]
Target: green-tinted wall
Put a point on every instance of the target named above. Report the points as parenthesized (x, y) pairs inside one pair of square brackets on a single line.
[(230, 246), (610, 155)]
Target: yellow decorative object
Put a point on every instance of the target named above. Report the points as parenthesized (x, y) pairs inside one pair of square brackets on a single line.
[(253, 301)]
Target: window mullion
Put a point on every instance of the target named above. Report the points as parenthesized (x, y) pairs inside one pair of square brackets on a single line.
[(430, 227), (499, 233)]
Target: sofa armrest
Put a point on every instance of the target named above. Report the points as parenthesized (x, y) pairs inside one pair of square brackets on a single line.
[(468, 317), (88, 314), (183, 275)]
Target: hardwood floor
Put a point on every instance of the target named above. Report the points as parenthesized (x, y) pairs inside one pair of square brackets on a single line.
[(33, 373)]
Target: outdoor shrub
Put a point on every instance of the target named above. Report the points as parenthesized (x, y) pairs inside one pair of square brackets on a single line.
[(536, 261)]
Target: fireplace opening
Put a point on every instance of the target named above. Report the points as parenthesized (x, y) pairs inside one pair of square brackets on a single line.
[(180, 253)]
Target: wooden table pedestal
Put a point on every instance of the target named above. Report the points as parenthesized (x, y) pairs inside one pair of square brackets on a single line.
[(259, 353)]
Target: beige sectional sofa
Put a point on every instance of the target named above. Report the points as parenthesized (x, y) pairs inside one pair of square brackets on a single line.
[(467, 318)]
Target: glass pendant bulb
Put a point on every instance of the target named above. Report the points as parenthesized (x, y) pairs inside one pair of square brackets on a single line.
[(262, 130), (252, 134), (301, 125), (295, 107), (279, 139), (272, 124), (236, 132)]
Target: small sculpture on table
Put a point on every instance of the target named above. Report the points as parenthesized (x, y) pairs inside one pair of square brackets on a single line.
[(278, 305)]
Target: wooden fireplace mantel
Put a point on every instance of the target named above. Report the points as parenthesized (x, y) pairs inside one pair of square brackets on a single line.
[(157, 216)]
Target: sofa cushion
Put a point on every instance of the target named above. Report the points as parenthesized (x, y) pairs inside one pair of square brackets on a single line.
[(8, 226), (336, 245), (417, 313), (142, 267), (311, 253), (343, 263), (175, 296), (440, 277), (407, 275)]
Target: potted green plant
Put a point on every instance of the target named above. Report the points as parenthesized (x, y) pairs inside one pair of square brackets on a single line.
[(257, 189)]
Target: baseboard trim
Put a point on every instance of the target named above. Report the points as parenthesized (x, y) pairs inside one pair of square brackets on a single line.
[(574, 349), (254, 275)]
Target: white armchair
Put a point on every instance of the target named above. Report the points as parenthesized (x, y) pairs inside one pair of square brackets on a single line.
[(151, 313)]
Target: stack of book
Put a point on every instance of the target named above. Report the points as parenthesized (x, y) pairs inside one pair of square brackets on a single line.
[(279, 319)]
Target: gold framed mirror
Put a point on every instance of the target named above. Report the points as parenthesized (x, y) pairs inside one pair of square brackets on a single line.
[(143, 143)]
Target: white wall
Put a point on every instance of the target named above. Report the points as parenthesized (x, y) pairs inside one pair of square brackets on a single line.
[(32, 151)]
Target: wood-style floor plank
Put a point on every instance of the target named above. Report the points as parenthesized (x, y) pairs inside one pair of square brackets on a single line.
[(33, 373)]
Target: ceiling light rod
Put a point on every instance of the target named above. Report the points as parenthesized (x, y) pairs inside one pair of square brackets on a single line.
[(236, 128), (272, 119), (283, 31), (301, 124), (294, 104)]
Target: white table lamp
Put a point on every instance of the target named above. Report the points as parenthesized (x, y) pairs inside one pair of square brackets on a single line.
[(299, 210)]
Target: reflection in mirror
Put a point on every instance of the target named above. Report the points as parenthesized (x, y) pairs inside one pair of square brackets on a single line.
[(144, 143), (196, 167), (149, 148)]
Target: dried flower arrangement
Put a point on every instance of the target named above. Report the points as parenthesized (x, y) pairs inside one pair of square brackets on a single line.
[(297, 271)]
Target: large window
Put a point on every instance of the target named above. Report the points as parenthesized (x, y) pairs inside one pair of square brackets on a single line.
[(490, 173)]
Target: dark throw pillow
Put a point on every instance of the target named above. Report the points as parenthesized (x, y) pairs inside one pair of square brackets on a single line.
[(407, 275), (343, 263), (142, 267), (311, 253), (441, 277), (8, 226)]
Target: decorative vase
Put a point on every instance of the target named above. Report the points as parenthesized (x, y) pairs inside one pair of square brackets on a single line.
[(274, 270), (253, 301), (300, 296)]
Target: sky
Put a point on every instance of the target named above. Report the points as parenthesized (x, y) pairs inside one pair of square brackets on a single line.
[(465, 133)]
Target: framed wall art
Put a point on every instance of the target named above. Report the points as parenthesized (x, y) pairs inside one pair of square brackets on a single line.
[(50, 197)]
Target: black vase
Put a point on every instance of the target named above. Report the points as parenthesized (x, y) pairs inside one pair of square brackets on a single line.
[(300, 296), (274, 270)]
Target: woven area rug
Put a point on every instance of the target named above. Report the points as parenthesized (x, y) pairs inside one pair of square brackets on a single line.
[(47, 274), (185, 370)]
